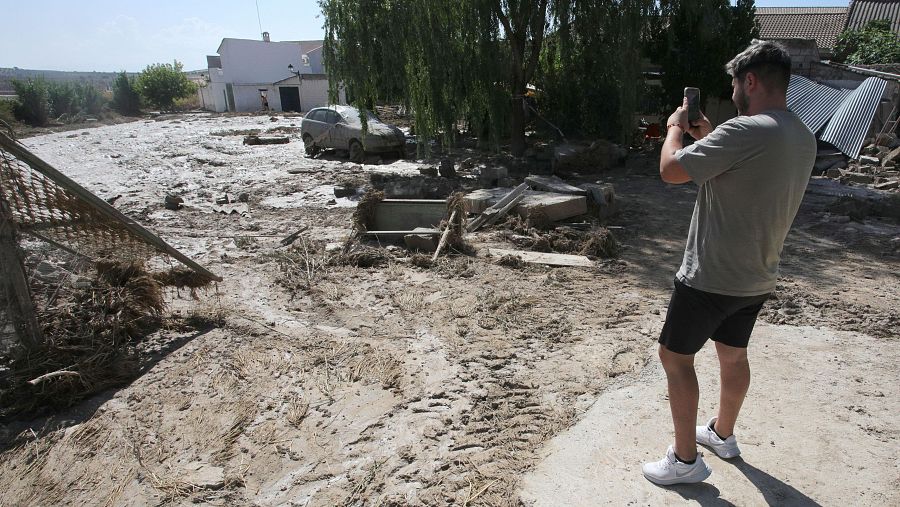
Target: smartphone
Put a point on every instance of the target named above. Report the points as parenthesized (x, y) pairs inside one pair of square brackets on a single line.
[(693, 96)]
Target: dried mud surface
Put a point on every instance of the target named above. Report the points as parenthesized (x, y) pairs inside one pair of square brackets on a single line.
[(394, 385)]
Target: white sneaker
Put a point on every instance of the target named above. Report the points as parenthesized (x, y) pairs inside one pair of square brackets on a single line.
[(671, 471), (727, 448)]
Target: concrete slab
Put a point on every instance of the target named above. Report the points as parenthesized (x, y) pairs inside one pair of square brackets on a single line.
[(819, 427), (555, 206)]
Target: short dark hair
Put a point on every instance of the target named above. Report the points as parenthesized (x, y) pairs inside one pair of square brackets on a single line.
[(769, 60)]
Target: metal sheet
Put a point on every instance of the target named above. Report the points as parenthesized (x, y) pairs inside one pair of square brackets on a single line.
[(849, 125), (814, 103)]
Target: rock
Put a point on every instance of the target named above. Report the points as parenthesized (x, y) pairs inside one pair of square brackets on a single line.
[(447, 170), (466, 164), (890, 157), (173, 202), (861, 178), (888, 185), (421, 242), (599, 156), (331, 202), (428, 171), (492, 175), (257, 140), (397, 186), (603, 196), (833, 173), (273, 118), (887, 139), (867, 160), (344, 191), (244, 197), (226, 199)]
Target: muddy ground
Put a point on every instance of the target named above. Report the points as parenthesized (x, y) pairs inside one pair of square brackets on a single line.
[(391, 385)]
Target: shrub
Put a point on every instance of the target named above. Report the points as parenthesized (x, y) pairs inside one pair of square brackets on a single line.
[(161, 84), (874, 43), (63, 99), (32, 105), (90, 100), (126, 99), (6, 111)]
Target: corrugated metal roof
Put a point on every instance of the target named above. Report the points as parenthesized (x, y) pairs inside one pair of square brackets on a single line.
[(823, 24), (863, 11), (814, 103), (801, 10), (850, 123)]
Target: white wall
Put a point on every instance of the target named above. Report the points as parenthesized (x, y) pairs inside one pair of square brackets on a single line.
[(250, 61), (246, 97)]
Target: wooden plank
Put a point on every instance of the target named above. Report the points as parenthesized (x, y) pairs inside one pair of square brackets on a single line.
[(19, 303), (100, 205), (407, 214), (507, 202), (553, 184), (550, 259), (400, 234)]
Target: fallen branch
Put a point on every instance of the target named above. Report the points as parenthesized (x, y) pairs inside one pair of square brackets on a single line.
[(444, 236), (54, 374)]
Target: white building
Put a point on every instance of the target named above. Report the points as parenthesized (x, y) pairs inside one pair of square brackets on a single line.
[(255, 75)]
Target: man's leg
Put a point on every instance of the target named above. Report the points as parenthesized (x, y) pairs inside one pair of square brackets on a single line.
[(684, 395), (734, 374)]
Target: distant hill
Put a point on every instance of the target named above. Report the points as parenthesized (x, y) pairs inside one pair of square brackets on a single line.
[(100, 80)]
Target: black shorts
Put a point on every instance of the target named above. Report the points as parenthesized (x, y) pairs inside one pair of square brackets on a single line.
[(695, 316)]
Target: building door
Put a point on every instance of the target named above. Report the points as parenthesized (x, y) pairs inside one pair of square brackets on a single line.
[(229, 97), (290, 98)]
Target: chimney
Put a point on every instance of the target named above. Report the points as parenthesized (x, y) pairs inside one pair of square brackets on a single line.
[(266, 37)]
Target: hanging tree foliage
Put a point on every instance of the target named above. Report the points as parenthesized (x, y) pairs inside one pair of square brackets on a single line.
[(446, 59)]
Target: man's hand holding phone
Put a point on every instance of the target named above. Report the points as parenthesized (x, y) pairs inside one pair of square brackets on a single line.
[(698, 129)]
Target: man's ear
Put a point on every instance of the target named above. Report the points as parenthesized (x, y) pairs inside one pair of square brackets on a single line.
[(751, 81)]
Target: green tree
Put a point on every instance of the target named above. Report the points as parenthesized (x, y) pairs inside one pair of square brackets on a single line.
[(63, 98), (590, 72), (32, 105), (90, 100), (873, 44), (447, 59), (126, 99), (693, 41), (161, 84)]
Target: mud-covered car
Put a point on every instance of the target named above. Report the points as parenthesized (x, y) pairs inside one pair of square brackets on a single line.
[(340, 128)]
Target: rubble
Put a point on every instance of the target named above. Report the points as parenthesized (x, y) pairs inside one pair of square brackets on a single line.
[(396, 186), (257, 140), (598, 156), (874, 169)]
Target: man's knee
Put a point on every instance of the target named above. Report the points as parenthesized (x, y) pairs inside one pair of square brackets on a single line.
[(674, 362), (732, 357)]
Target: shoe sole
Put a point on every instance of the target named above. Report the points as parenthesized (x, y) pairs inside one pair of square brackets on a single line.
[(691, 479), (723, 456)]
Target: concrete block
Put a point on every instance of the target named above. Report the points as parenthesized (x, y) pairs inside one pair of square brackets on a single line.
[(604, 196)]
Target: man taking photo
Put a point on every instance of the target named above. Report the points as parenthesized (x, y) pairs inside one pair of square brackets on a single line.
[(752, 172)]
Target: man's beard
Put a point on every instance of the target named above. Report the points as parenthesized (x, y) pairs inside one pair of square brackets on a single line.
[(742, 103)]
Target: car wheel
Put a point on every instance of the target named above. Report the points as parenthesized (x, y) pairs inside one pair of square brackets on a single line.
[(357, 154), (311, 149)]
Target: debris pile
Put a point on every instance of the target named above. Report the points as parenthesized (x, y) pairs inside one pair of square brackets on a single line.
[(876, 168)]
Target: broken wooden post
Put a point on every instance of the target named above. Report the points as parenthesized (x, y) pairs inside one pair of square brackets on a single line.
[(444, 236), (18, 294)]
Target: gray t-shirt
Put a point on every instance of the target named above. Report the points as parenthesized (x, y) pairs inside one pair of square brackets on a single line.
[(752, 172)]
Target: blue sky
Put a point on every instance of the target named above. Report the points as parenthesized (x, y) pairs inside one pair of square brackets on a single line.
[(105, 35)]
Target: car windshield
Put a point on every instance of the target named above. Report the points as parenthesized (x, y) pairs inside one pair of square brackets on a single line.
[(351, 114)]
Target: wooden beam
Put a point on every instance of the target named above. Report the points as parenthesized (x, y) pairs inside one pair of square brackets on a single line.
[(552, 259), (99, 204), (19, 303), (502, 206)]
